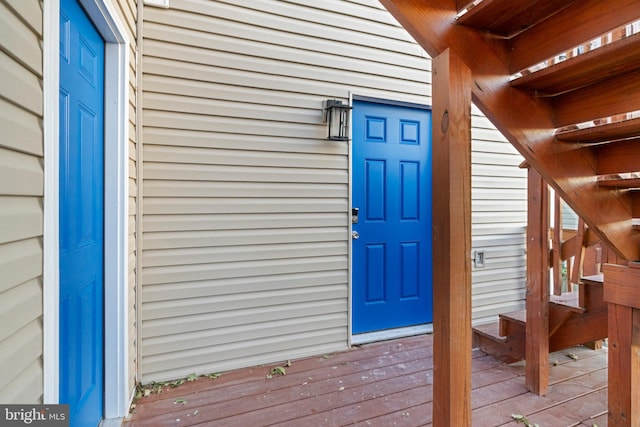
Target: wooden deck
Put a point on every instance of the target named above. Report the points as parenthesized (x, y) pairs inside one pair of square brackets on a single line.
[(382, 384)]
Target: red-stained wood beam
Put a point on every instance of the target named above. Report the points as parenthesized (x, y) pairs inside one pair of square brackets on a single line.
[(537, 324), (580, 22), (618, 157), (622, 292), (524, 120), (451, 147), (614, 96)]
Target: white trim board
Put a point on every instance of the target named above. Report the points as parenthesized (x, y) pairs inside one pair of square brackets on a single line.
[(116, 138), (390, 334)]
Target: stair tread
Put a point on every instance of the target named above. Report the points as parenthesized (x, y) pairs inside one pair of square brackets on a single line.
[(490, 330), (596, 279), (601, 133), (568, 300), (519, 316), (600, 64)]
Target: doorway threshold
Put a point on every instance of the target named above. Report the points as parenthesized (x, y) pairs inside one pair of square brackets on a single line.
[(389, 334)]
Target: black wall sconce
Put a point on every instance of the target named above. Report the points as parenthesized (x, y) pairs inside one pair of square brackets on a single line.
[(336, 115)]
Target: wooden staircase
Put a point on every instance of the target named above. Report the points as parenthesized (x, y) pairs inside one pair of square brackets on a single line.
[(561, 81), (577, 317)]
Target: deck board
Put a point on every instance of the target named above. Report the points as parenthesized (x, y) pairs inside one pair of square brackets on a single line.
[(387, 383)]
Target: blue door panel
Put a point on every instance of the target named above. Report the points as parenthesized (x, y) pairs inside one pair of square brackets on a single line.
[(81, 226), (392, 259)]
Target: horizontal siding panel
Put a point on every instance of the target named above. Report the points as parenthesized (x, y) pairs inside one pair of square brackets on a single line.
[(235, 37), (245, 111), (240, 285), (250, 79), (309, 22), (500, 297), (168, 274), (194, 239), (501, 227), (499, 171), (482, 276), (221, 303), (296, 70), (498, 240), (243, 353), (214, 90), (242, 332), (269, 52), (231, 125), (498, 206), (30, 12), (189, 205), (187, 256), (19, 350), (20, 40), (19, 306), (26, 388), (479, 194), (482, 218), (20, 262), (497, 184), (223, 319), (20, 218), (20, 86), (498, 285), (194, 156), (247, 221), (20, 174), (21, 130), (253, 143), (239, 173), (157, 188)]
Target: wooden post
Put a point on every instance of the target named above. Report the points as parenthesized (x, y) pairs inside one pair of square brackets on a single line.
[(557, 245), (537, 325), (451, 241), (622, 292)]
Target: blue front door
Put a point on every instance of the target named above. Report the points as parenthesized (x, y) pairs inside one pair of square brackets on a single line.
[(81, 215), (392, 261)]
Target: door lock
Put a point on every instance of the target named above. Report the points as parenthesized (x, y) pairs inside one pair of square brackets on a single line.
[(355, 235)]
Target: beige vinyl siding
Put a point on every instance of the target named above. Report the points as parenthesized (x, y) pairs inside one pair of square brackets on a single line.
[(244, 203), (21, 191), (499, 219)]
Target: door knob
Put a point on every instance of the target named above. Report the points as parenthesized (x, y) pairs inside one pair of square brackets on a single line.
[(355, 235)]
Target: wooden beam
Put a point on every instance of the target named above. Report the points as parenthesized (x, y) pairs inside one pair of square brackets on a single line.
[(580, 22), (622, 292), (618, 157), (537, 324), (557, 245), (507, 18), (578, 253), (526, 121), (614, 96), (451, 240)]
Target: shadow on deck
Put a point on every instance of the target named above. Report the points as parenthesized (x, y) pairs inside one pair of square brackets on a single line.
[(382, 384)]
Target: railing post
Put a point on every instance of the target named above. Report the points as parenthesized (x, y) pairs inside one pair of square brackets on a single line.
[(622, 292)]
